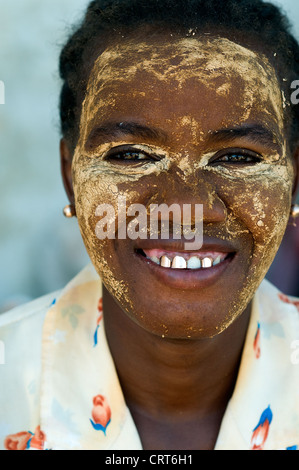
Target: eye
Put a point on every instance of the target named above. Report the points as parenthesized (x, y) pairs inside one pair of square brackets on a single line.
[(236, 157), (129, 155)]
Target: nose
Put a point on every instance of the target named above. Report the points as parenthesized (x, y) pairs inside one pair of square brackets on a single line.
[(192, 191)]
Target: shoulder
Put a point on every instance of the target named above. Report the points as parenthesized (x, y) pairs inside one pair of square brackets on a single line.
[(28, 311), (28, 336), (20, 369), (278, 314), (271, 299), (32, 314), (21, 330), (279, 325), (21, 336)]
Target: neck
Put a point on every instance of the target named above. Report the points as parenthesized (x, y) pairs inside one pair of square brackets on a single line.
[(161, 378)]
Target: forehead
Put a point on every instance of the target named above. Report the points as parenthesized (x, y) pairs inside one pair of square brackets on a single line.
[(123, 61), (216, 73)]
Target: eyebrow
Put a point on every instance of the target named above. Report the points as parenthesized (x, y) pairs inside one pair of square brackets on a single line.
[(116, 130), (256, 133)]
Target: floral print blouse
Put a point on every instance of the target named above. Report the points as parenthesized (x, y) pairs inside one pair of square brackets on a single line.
[(60, 390)]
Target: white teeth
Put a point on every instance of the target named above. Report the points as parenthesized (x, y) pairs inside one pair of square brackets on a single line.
[(217, 260), (207, 263), (165, 262), (194, 263), (179, 262)]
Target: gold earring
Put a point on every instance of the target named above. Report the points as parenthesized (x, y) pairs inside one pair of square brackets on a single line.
[(295, 211), (69, 211)]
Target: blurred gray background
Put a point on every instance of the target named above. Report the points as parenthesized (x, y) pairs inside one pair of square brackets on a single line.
[(40, 250)]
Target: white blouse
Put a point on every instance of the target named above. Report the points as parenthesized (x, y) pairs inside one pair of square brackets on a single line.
[(60, 390)]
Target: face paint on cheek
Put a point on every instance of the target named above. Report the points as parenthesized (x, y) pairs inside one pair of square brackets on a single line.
[(258, 201), (89, 193), (97, 182), (262, 202)]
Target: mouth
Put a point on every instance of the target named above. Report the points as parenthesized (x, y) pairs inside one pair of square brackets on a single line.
[(185, 260), (177, 268)]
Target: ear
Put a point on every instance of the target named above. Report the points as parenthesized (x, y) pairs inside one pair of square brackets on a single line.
[(66, 157), (296, 180)]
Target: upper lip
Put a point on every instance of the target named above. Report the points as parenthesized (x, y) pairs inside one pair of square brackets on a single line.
[(171, 244)]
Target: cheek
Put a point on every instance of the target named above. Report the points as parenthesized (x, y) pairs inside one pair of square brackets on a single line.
[(260, 207), (263, 205), (92, 191)]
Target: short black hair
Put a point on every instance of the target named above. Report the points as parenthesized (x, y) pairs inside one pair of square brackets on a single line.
[(106, 20)]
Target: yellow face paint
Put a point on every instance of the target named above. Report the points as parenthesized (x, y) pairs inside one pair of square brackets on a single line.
[(189, 89)]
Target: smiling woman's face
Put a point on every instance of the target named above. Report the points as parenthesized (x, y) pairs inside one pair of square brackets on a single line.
[(198, 121)]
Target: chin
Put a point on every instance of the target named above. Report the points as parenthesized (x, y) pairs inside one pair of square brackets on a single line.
[(182, 322)]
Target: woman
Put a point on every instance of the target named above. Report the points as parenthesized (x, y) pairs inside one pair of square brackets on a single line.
[(174, 347)]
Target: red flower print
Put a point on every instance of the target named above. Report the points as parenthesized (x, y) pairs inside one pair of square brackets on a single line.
[(261, 431), (101, 413), (256, 343), (25, 440), (38, 440), (100, 310), (259, 437), (17, 441), (286, 300)]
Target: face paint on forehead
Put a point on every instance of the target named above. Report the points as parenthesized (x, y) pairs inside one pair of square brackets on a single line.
[(204, 60)]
